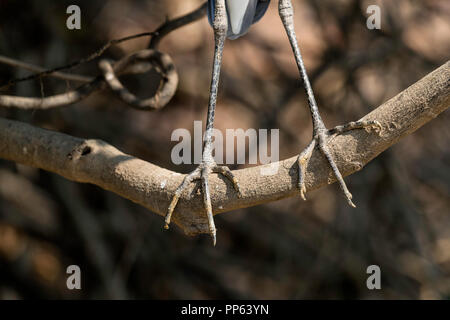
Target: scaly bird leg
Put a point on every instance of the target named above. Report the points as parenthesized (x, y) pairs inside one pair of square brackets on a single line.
[(321, 134), (208, 165)]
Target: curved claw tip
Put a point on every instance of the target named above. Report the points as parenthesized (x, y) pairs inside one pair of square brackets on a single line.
[(302, 192), (349, 197), (214, 239), (166, 226)]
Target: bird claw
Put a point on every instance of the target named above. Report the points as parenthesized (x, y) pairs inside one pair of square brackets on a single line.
[(303, 192), (321, 139), (202, 173)]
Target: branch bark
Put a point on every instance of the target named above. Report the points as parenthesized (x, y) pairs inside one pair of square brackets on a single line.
[(97, 162)]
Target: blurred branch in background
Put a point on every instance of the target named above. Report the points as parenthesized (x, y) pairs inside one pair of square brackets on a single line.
[(158, 60), (41, 72), (172, 25)]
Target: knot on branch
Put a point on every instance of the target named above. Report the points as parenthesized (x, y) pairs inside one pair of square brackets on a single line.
[(80, 151)]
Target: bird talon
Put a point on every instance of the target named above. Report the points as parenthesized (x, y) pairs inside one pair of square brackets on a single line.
[(202, 173), (303, 192), (214, 238), (321, 138), (350, 202), (378, 127)]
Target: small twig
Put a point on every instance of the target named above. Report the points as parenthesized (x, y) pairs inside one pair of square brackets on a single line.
[(159, 100), (74, 64), (138, 62), (171, 25), (156, 36), (34, 68), (58, 100)]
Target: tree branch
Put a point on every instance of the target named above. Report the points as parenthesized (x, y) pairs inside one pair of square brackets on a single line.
[(96, 162), (138, 62), (48, 72), (159, 100), (174, 24)]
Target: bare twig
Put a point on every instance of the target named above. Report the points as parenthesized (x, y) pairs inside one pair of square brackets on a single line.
[(163, 95), (156, 36), (96, 162), (174, 24), (74, 64), (58, 100), (34, 68), (139, 62)]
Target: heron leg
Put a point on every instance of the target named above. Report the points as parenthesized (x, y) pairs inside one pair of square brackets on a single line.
[(208, 165), (321, 135)]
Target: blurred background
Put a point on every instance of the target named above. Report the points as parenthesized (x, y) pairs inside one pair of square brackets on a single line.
[(288, 249)]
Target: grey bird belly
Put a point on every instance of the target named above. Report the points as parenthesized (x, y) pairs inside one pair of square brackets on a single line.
[(241, 15)]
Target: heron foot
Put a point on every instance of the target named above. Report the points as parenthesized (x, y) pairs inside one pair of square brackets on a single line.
[(202, 173), (321, 138)]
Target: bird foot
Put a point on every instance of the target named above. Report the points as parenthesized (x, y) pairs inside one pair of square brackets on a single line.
[(202, 173), (321, 138)]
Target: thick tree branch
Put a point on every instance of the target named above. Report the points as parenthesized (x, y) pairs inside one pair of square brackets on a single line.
[(96, 162)]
